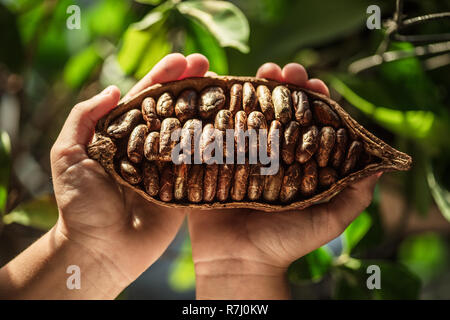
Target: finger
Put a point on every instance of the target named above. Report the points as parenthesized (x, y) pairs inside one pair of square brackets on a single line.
[(80, 124), (346, 206), (317, 85), (294, 73), (210, 74), (169, 68), (270, 70), (197, 65)]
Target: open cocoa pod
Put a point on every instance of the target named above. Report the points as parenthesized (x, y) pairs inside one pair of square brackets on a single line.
[(171, 144)]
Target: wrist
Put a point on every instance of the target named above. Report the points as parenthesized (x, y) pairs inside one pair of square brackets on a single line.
[(240, 279)]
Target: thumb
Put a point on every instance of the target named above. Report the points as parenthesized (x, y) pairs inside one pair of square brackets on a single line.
[(80, 124)]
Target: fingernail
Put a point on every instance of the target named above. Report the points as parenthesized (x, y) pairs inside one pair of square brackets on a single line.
[(107, 91)]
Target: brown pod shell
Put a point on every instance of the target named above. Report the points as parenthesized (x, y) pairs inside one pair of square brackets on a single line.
[(130, 172), (255, 182), (272, 185), (166, 144), (165, 105), (291, 183), (212, 99), (249, 99), (181, 181), (151, 146), (124, 124), (327, 140), (309, 179), (150, 178), (112, 132), (240, 182), (135, 148), (210, 182), (225, 180), (235, 98), (167, 181), (351, 158), (195, 183), (265, 102), (289, 142), (282, 103), (324, 115), (327, 177), (302, 110), (308, 144), (150, 115), (186, 105)]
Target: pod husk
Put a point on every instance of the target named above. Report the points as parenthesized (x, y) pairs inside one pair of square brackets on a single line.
[(103, 148)]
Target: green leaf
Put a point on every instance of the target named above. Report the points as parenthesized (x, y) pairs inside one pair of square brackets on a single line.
[(198, 39), (222, 19), (397, 282), (5, 169), (79, 67), (182, 274), (134, 44), (417, 124), (356, 231), (108, 17), (311, 267), (153, 17), (156, 49), (441, 195), (152, 2), (425, 254), (40, 213)]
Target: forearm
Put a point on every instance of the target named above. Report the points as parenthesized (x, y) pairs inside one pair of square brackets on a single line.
[(228, 280), (40, 272)]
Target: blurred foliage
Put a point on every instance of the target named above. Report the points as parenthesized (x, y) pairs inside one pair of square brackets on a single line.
[(46, 68)]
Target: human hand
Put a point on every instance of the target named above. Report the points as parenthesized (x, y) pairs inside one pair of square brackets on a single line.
[(122, 230), (244, 254)]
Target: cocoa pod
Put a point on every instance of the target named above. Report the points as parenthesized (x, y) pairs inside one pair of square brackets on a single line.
[(165, 106), (265, 102), (308, 144), (135, 148), (186, 105), (249, 99), (212, 99), (323, 149), (282, 103), (150, 178), (124, 124), (150, 115), (327, 139), (289, 142), (303, 112)]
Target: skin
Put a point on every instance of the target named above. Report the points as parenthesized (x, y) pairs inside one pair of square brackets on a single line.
[(244, 254), (114, 235)]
